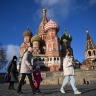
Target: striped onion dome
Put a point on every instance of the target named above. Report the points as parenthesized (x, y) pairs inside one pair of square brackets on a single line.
[(51, 24), (27, 33)]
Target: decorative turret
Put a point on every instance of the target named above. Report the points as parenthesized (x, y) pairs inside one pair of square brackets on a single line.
[(36, 44), (65, 41), (51, 25), (89, 41), (52, 41), (27, 33), (27, 41), (35, 38), (90, 47), (42, 24), (90, 53), (65, 38), (42, 34)]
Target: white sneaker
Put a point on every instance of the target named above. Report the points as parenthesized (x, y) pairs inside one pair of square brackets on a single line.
[(62, 91), (77, 92)]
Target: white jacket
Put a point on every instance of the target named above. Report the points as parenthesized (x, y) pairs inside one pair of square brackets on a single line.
[(26, 61), (68, 68)]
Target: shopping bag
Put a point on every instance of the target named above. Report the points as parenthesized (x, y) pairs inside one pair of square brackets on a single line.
[(35, 84), (7, 78)]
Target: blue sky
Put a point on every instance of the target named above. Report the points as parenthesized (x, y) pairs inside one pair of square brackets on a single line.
[(74, 15)]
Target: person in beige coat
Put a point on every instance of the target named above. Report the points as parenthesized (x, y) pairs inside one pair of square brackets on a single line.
[(26, 69), (68, 70)]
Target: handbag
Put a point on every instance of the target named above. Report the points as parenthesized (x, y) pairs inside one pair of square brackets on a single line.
[(7, 78)]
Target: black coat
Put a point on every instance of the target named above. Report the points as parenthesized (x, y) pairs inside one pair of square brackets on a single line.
[(12, 70)]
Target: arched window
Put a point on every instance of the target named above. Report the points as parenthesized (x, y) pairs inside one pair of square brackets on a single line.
[(89, 53), (43, 59), (39, 59), (50, 59), (57, 58), (54, 58), (94, 52)]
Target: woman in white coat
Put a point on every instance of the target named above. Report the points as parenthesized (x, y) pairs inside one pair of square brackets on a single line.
[(68, 70), (26, 69)]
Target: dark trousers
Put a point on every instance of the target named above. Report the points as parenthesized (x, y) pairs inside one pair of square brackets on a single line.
[(30, 80), (11, 85)]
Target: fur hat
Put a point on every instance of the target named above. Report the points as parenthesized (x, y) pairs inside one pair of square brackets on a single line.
[(30, 49), (37, 67), (14, 57)]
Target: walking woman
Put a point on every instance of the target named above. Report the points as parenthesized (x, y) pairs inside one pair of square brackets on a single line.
[(12, 70), (69, 74)]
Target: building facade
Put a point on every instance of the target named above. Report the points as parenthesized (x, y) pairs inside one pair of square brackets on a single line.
[(46, 44)]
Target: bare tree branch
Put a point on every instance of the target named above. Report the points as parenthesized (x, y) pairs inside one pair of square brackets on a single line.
[(3, 55)]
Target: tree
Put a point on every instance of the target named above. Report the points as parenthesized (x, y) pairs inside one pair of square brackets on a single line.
[(3, 55)]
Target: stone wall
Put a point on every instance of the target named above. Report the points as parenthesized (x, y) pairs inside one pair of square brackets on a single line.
[(56, 78)]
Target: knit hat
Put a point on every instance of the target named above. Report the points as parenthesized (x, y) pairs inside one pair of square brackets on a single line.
[(37, 67), (30, 49), (14, 57)]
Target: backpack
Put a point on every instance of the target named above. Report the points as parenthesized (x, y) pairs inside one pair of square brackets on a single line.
[(7, 78)]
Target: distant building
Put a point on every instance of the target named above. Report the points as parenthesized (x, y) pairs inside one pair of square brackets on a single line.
[(90, 54), (46, 45)]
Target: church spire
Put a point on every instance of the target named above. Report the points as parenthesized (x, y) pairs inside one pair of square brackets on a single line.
[(89, 41), (44, 18), (43, 22)]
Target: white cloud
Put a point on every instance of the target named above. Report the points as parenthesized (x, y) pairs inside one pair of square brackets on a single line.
[(50, 2), (61, 9), (92, 2), (56, 7), (11, 51)]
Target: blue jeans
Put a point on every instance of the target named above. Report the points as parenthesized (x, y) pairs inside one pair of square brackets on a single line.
[(72, 82)]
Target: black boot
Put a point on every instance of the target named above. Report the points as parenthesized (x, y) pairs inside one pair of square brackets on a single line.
[(39, 91), (13, 85), (9, 87)]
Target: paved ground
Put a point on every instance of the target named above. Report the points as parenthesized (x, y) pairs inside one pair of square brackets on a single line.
[(49, 90)]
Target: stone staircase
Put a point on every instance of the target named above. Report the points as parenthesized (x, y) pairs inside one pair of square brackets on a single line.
[(54, 78)]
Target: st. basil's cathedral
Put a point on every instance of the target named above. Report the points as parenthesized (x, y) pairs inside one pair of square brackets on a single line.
[(46, 45)]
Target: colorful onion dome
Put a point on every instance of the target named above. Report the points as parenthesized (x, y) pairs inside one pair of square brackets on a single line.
[(65, 37), (65, 41), (51, 24), (27, 33), (35, 38)]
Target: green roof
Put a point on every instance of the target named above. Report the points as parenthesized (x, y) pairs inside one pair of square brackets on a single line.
[(35, 38)]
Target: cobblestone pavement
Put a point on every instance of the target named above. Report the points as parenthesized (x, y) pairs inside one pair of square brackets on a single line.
[(49, 90)]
